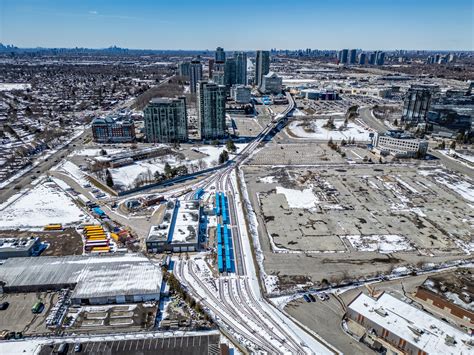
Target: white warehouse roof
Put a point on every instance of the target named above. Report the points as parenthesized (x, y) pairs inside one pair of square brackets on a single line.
[(94, 276)]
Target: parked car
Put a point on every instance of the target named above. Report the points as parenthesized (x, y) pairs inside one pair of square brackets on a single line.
[(4, 306), (323, 296), (306, 298), (311, 297), (78, 348)]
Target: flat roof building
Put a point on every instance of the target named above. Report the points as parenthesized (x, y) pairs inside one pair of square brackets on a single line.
[(399, 145), (179, 230), (403, 329), (94, 279), (450, 295), (19, 247), (113, 130)]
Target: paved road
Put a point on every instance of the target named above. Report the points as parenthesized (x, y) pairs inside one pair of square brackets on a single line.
[(43, 166), (452, 164), (365, 115)]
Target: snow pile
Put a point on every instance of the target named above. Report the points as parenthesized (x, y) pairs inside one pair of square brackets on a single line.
[(44, 204), (298, 198), (387, 243)]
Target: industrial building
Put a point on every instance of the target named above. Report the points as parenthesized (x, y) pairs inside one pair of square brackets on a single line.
[(398, 144), (451, 296), (397, 327), (166, 120), (93, 279), (211, 100), (179, 230), (19, 247), (271, 84), (113, 130), (241, 94), (262, 66)]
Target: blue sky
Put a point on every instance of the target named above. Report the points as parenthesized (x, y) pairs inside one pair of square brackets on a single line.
[(239, 24)]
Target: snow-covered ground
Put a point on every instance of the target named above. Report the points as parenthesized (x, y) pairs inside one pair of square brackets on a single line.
[(317, 131), (14, 86), (380, 243), (44, 204), (71, 169), (463, 186), (298, 198), (126, 175)]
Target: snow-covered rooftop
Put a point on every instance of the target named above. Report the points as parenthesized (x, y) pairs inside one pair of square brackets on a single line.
[(398, 317), (94, 276)]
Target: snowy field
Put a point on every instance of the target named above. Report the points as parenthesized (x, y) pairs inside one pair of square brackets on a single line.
[(71, 169), (13, 86), (44, 204), (315, 130), (379, 243)]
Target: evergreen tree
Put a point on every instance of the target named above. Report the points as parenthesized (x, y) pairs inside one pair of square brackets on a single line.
[(230, 145), (108, 179), (168, 171), (223, 157)]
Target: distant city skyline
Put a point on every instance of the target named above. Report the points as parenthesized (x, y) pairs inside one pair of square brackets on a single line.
[(242, 25)]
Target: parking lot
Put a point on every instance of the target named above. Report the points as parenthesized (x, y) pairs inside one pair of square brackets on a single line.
[(188, 345), (18, 317)]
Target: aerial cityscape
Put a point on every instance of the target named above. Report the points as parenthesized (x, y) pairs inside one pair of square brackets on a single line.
[(247, 178)]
